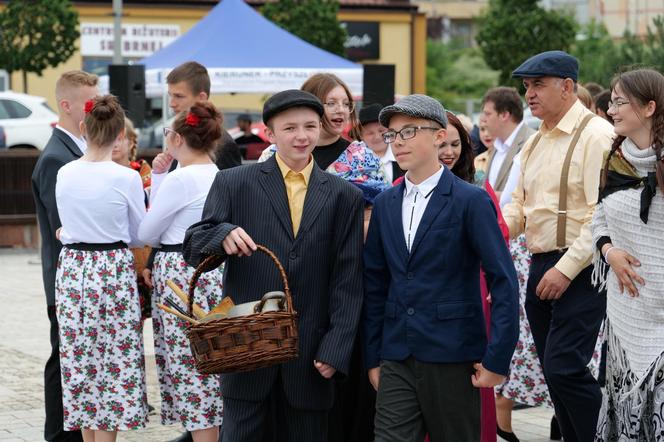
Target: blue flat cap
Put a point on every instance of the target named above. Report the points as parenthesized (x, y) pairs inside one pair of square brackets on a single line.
[(417, 106), (285, 100), (549, 64)]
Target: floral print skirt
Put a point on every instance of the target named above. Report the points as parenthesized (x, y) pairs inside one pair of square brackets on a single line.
[(187, 397), (101, 340), (525, 383)]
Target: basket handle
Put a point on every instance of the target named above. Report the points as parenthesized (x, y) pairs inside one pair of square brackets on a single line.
[(214, 261)]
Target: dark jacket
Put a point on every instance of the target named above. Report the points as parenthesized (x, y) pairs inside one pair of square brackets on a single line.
[(427, 303), (59, 150), (323, 263)]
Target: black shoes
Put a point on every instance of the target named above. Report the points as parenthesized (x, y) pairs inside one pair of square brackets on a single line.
[(508, 436), (185, 437), (555, 429)]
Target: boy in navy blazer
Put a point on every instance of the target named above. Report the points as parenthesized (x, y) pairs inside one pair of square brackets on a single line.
[(423, 328)]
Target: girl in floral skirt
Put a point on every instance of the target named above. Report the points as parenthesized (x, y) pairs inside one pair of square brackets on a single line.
[(176, 202), (101, 205)]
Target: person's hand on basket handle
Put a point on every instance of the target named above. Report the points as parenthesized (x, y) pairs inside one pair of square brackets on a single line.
[(325, 370), (239, 243)]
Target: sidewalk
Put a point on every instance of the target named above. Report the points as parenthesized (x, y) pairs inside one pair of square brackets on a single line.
[(24, 347)]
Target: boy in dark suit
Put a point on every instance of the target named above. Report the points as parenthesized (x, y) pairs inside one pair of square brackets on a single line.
[(312, 221), (424, 334), (72, 90)]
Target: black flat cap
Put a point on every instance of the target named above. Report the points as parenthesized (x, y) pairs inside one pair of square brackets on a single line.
[(369, 113), (549, 64), (285, 100)]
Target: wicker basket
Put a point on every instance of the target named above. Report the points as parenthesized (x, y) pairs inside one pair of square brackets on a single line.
[(243, 343)]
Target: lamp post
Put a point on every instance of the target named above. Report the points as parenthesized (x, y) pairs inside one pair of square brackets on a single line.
[(117, 31)]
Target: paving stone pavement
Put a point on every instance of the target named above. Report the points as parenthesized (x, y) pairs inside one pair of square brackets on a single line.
[(24, 348)]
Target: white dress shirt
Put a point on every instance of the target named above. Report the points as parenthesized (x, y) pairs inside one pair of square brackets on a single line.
[(386, 165), (512, 181), (99, 202), (80, 142), (415, 201), (176, 202), (501, 152)]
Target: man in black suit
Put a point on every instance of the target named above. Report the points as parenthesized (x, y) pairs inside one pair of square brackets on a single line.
[(72, 90), (312, 221)]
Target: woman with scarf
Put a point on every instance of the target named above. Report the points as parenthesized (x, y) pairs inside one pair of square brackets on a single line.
[(628, 230)]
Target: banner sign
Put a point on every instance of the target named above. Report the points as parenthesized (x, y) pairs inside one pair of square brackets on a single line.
[(363, 41), (137, 40)]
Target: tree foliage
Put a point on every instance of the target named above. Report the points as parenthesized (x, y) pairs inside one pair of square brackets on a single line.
[(513, 30), (37, 34), (598, 54), (455, 74), (314, 21)]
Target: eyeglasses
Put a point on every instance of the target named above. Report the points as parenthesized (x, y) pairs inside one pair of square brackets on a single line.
[(617, 104), (405, 133), (168, 130), (334, 105)]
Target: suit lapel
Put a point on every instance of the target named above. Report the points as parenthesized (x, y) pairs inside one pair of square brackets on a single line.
[(504, 171), (438, 200), (396, 219), (273, 185), (315, 200), (68, 142)]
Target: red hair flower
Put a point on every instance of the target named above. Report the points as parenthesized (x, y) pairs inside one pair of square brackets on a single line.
[(88, 106), (192, 120)]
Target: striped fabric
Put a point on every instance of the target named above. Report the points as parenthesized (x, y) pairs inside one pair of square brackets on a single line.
[(323, 263)]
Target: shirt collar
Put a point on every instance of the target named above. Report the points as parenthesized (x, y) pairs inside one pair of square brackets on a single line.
[(503, 146), (80, 142), (388, 157), (426, 186), (306, 172), (570, 119)]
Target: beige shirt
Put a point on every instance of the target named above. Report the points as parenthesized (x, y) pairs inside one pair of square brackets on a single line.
[(534, 203)]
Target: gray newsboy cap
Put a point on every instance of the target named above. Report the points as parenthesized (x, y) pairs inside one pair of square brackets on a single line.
[(418, 106), (549, 64)]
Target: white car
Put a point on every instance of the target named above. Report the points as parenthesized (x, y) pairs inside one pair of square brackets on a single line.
[(27, 119)]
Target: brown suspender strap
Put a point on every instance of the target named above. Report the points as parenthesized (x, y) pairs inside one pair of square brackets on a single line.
[(561, 227), (561, 230)]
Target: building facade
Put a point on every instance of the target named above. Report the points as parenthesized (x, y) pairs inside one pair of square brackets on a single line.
[(150, 24)]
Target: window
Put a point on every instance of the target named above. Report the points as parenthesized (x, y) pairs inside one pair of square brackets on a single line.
[(4, 113), (16, 109)]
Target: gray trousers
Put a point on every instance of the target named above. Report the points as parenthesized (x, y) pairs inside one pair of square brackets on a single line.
[(415, 398)]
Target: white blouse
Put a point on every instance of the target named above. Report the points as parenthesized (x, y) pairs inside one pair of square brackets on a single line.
[(176, 202), (99, 202)]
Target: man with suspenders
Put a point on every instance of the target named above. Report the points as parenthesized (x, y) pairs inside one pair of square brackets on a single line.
[(554, 203)]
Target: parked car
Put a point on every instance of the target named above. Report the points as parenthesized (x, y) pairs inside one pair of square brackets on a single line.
[(27, 120)]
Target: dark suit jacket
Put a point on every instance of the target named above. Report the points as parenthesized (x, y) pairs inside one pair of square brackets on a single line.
[(228, 153), (323, 264), (427, 304), (59, 150)]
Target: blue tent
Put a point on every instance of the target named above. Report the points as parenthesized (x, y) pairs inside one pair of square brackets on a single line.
[(245, 52)]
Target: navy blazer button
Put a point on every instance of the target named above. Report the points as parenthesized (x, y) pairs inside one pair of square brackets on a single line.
[(410, 311), (410, 275), (292, 255)]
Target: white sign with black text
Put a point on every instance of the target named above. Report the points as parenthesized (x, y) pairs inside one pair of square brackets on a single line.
[(137, 40)]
